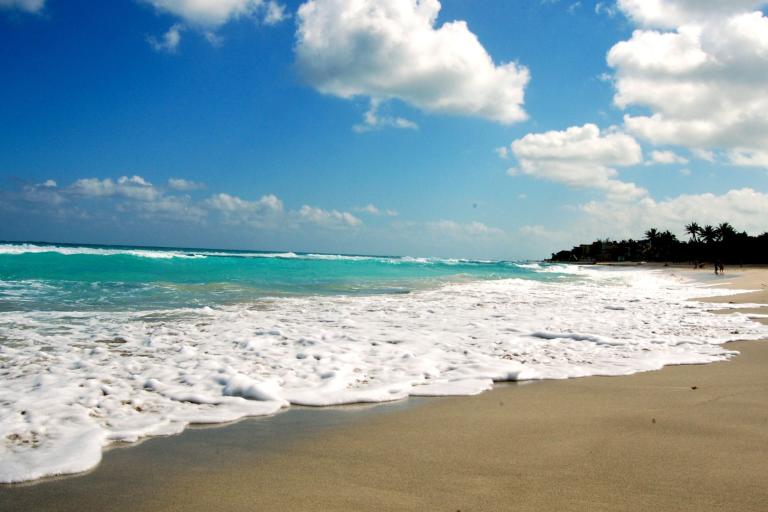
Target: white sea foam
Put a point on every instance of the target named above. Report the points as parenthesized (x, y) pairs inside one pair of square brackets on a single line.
[(24, 248), (72, 383), (17, 249)]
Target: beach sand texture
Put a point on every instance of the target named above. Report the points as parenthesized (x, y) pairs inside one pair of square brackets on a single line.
[(683, 438)]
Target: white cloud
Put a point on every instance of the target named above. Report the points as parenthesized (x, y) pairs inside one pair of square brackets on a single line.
[(386, 50), (701, 69), (234, 205), (172, 208), (372, 209), (573, 7), (704, 154), (369, 208), (580, 156), (126, 194), (607, 8), (94, 187), (206, 16), (169, 42), (134, 187), (46, 193), (464, 230), (208, 13), (184, 185), (502, 152), (275, 13), (136, 198), (213, 38), (673, 13), (328, 218), (539, 232), (24, 5), (746, 209), (667, 157), (749, 157), (373, 121)]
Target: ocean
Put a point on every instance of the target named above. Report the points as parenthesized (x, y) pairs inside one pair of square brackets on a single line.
[(106, 344)]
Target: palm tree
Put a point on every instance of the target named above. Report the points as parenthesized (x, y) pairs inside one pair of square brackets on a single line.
[(652, 235), (693, 229), (725, 231), (708, 234)]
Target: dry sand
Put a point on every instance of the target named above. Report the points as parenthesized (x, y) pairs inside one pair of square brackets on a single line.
[(683, 438)]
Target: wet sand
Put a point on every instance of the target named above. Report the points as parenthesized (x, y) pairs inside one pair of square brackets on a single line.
[(683, 438)]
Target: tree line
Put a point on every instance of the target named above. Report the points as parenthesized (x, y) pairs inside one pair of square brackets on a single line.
[(705, 244)]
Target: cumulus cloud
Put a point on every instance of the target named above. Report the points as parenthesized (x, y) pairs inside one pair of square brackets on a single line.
[(372, 209), (136, 198), (387, 50), (749, 157), (328, 218), (23, 5), (169, 42), (207, 16), (274, 13), (464, 230), (539, 232), (169, 208), (46, 193), (704, 154), (580, 156), (127, 194), (136, 195), (235, 206), (134, 187), (744, 208), (673, 13), (208, 13), (373, 121), (667, 157), (700, 67), (184, 185), (269, 212)]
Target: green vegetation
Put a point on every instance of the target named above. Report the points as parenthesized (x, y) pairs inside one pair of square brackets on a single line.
[(705, 244)]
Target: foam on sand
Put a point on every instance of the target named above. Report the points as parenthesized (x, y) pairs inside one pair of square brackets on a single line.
[(71, 383)]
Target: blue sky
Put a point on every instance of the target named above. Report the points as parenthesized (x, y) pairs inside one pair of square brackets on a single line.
[(457, 128)]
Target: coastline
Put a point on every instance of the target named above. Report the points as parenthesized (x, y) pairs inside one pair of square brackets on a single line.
[(593, 443)]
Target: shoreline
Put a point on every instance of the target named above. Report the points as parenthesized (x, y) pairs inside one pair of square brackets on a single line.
[(533, 447)]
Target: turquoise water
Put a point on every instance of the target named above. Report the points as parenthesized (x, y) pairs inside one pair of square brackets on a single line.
[(103, 345), (40, 277)]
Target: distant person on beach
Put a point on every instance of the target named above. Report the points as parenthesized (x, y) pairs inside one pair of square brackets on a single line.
[(717, 266), (722, 268)]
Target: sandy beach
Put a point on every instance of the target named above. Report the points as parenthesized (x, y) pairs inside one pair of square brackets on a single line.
[(683, 438)]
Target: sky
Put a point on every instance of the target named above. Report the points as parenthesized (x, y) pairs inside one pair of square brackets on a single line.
[(455, 128)]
